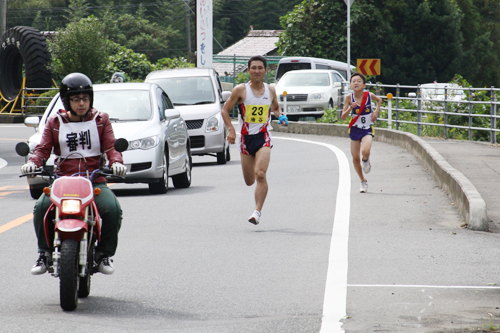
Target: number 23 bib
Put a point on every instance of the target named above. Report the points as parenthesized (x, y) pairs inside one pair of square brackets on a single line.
[(257, 114)]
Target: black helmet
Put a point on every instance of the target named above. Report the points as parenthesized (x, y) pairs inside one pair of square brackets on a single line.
[(73, 84)]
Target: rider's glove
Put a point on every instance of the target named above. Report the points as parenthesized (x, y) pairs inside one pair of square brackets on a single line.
[(28, 168), (119, 169), (283, 120)]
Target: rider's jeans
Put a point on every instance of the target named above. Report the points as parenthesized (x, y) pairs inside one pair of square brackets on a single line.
[(109, 209)]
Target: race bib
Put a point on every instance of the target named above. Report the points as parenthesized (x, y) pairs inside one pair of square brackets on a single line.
[(79, 139), (257, 114)]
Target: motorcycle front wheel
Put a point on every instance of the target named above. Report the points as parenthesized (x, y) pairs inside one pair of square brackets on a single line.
[(84, 288), (68, 277)]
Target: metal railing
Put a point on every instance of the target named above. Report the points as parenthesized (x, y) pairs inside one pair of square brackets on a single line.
[(30, 97), (452, 113)]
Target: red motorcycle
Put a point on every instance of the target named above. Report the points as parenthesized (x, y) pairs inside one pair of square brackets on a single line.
[(77, 226)]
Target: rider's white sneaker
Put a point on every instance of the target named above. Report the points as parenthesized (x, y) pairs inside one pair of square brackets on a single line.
[(364, 187), (42, 264), (106, 265)]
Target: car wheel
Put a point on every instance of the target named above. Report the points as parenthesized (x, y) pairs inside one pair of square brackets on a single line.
[(330, 104), (161, 186), (36, 192), (183, 180), (228, 154), (221, 157)]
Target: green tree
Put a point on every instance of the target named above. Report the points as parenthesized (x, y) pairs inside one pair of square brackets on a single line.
[(416, 40), (77, 9), (481, 33), (136, 66), (81, 47)]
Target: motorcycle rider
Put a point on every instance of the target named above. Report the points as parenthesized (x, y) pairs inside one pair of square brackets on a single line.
[(79, 135)]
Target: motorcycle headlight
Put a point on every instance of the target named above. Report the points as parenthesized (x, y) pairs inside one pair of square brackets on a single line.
[(319, 96), (213, 124), (145, 143), (70, 206)]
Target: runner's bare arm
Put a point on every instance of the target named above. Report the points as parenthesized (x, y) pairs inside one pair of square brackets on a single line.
[(275, 107), (347, 107), (237, 95), (378, 100)]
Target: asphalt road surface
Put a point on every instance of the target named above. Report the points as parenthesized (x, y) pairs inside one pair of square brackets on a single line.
[(324, 258)]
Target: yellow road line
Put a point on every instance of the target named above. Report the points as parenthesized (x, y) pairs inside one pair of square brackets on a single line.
[(16, 222)]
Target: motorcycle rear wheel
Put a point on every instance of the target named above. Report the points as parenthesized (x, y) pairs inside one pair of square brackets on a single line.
[(68, 277)]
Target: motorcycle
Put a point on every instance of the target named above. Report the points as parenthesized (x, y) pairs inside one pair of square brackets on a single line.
[(76, 226)]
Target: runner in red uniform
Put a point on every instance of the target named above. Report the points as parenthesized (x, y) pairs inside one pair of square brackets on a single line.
[(256, 100)]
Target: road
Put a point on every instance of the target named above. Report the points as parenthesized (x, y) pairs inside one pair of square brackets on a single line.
[(393, 260)]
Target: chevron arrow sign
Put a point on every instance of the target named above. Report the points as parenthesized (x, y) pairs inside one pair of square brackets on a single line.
[(368, 66)]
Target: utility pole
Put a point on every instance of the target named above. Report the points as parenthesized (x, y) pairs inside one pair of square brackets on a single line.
[(349, 4), (3, 17), (188, 26)]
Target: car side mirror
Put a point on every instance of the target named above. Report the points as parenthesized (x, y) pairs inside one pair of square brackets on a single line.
[(225, 95), (32, 122), (337, 84), (172, 114)]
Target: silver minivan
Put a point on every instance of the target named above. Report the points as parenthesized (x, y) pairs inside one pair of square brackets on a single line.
[(198, 95), (296, 63)]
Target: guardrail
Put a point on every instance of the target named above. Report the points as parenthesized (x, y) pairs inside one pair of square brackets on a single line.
[(452, 113), (33, 101)]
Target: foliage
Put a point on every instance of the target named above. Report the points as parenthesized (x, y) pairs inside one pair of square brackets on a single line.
[(81, 47), (244, 77), (167, 63), (416, 40), (136, 66), (330, 117)]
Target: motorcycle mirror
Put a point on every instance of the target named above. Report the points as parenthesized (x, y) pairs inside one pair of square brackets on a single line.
[(22, 149), (121, 145)]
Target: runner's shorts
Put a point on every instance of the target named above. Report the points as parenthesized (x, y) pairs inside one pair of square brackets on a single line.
[(356, 133), (250, 144)]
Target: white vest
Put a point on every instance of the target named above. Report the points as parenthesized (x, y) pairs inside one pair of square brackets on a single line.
[(78, 139)]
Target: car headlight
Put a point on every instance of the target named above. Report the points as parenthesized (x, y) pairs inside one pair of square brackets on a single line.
[(146, 143), (319, 96), (213, 123), (70, 206)]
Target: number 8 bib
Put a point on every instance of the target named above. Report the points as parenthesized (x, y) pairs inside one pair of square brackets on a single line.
[(257, 114)]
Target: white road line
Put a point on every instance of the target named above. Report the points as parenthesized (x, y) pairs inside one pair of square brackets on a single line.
[(3, 163), (419, 286), (335, 299)]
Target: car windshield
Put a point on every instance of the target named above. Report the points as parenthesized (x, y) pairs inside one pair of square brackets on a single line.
[(304, 79), (122, 105), (188, 90)]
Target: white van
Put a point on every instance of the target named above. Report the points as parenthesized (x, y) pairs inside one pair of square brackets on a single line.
[(198, 95), (294, 63)]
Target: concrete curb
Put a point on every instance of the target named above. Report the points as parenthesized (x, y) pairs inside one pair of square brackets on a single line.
[(467, 199), (11, 119)]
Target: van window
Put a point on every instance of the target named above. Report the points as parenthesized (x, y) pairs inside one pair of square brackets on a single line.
[(342, 72), (322, 66), (188, 90), (293, 66)]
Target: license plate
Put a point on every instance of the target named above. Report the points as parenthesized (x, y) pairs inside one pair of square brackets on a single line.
[(293, 109)]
